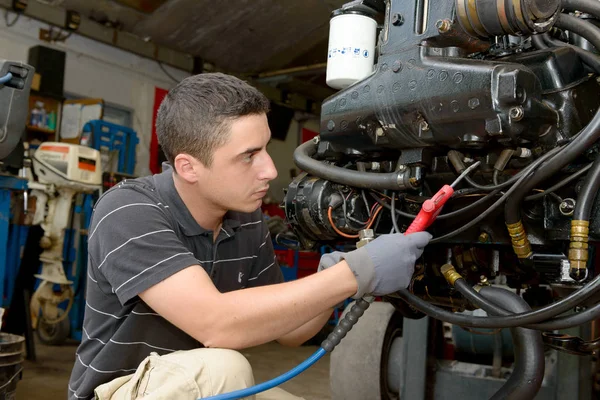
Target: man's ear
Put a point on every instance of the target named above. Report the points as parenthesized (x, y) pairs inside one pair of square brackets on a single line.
[(187, 167)]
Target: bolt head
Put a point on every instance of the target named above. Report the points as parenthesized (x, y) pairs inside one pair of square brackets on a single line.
[(397, 19), (516, 113), (443, 25), (330, 125), (567, 207), (473, 103)]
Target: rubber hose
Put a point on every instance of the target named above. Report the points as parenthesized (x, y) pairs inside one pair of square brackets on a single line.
[(558, 185), (538, 42), (589, 135), (567, 321), (477, 299), (523, 319), (363, 180), (528, 373), (525, 174), (587, 195), (586, 6)]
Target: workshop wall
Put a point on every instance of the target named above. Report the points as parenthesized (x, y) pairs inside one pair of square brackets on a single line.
[(94, 69), (128, 81)]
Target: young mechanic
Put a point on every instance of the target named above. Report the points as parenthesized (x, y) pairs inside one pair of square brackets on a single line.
[(182, 270)]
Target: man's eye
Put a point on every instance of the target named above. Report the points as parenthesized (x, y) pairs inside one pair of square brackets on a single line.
[(248, 158)]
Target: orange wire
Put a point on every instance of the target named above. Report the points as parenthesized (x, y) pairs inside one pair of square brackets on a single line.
[(335, 228), (374, 216)]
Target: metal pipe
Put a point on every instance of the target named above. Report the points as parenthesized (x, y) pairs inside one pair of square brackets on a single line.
[(497, 361), (526, 378)]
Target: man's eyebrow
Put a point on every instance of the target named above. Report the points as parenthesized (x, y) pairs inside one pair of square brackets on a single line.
[(251, 150)]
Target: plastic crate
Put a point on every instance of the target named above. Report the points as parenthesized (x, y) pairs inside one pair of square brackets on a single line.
[(111, 138)]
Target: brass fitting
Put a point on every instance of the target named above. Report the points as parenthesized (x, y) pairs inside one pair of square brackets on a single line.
[(578, 248), (450, 273), (519, 240)]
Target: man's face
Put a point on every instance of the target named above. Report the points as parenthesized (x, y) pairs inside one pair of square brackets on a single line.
[(239, 176)]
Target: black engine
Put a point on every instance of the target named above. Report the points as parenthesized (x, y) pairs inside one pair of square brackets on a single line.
[(504, 84)]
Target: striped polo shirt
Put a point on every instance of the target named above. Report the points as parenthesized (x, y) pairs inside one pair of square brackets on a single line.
[(140, 234)]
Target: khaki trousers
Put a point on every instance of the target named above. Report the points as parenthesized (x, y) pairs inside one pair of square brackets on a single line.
[(187, 375)]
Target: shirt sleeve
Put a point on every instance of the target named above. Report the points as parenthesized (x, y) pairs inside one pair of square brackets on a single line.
[(265, 270), (132, 243)]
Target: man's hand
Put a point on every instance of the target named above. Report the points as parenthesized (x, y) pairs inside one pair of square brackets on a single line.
[(384, 265)]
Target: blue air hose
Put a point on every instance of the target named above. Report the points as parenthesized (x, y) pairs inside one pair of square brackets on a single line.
[(334, 338), (261, 387), (6, 78)]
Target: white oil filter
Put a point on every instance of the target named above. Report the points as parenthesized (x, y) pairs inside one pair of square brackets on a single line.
[(350, 54)]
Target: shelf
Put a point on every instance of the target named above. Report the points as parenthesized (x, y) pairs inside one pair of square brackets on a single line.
[(42, 130)]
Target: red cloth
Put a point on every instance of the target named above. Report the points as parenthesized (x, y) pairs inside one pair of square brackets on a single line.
[(159, 95)]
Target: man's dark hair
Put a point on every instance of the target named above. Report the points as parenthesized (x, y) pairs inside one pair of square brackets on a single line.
[(195, 116)]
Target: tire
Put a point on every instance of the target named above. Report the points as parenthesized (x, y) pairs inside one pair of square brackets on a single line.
[(53, 334), (359, 364)]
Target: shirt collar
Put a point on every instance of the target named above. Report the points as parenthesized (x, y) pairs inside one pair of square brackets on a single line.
[(166, 188)]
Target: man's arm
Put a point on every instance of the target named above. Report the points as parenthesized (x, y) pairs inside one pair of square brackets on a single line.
[(248, 317), (298, 336)]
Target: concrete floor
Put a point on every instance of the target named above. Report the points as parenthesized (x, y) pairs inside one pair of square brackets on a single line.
[(47, 378)]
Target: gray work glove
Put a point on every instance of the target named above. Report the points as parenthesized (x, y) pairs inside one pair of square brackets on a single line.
[(384, 265)]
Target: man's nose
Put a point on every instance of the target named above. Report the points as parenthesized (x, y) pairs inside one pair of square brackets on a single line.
[(268, 170)]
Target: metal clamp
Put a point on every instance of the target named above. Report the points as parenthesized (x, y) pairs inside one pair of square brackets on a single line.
[(570, 344)]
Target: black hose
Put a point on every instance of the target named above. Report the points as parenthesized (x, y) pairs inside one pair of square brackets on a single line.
[(525, 319), (528, 373), (559, 184), (500, 186), (469, 207), (586, 6), (588, 136), (557, 323), (525, 175), (363, 180), (496, 176), (538, 42), (569, 321), (477, 299), (449, 215), (587, 195)]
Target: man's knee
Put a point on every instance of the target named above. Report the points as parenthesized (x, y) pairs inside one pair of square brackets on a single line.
[(230, 364), (221, 369)]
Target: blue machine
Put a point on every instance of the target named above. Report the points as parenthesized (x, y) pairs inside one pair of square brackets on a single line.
[(12, 236)]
